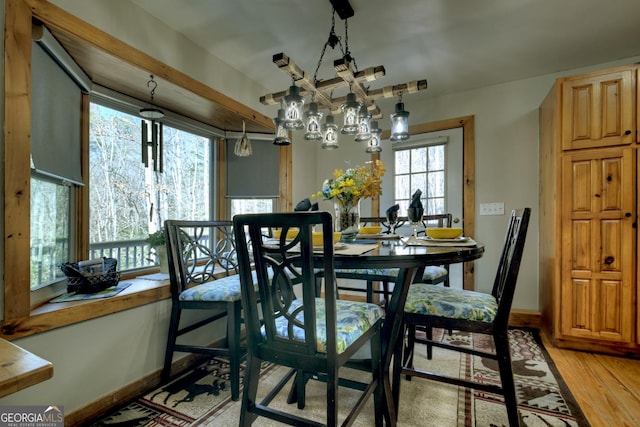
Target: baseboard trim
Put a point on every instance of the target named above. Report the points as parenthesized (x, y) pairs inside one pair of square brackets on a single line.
[(525, 319)]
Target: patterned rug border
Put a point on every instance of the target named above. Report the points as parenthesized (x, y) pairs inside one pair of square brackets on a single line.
[(147, 410), (576, 410)]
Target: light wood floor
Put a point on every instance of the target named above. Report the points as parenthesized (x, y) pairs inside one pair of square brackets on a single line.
[(607, 388)]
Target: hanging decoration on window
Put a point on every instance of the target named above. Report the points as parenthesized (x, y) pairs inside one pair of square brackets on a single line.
[(243, 145), (152, 131)]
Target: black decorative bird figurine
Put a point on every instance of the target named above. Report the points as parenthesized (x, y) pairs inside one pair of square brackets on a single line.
[(303, 205)]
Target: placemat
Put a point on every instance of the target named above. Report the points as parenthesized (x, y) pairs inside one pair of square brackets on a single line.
[(155, 276), (109, 292), (356, 248)]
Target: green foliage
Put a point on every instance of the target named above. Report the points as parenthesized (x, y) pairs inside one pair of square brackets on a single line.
[(156, 239)]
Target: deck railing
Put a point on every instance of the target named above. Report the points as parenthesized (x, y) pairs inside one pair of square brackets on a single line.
[(131, 255)]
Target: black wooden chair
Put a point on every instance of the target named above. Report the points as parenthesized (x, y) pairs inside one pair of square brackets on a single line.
[(288, 324), (203, 273), (432, 274), (437, 307)]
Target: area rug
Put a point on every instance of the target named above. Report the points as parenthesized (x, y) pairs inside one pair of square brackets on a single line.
[(202, 397)]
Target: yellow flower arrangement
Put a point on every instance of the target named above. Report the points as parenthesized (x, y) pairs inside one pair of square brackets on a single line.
[(349, 186)]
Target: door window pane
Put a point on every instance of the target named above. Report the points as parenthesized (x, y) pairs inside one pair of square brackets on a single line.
[(421, 168)]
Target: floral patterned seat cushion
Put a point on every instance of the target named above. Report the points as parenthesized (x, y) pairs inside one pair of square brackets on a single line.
[(448, 302), (433, 273), (353, 320), (224, 289)]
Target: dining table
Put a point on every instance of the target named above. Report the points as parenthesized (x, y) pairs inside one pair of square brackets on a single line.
[(410, 256)]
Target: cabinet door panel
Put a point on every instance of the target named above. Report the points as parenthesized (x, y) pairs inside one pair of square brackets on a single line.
[(581, 246), (599, 110), (581, 191), (610, 316), (578, 320), (610, 248), (611, 197)]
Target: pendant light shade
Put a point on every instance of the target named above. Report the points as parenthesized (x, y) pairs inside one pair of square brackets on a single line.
[(282, 137), (312, 120), (358, 107), (399, 123), (373, 146), (330, 134), (364, 125), (243, 145), (293, 105), (350, 110)]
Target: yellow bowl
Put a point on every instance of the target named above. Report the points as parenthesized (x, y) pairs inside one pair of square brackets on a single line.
[(370, 229), (291, 233), (443, 233), (317, 237)]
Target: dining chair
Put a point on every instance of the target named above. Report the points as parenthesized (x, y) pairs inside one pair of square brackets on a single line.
[(431, 307), (289, 324), (203, 275), (433, 274)]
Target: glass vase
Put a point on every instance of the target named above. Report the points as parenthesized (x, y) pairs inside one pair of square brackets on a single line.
[(347, 219)]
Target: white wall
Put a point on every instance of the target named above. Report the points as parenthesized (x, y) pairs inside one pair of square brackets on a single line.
[(99, 356), (506, 160)]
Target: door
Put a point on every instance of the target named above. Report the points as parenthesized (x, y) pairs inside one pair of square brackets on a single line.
[(598, 110), (598, 244), (453, 181)]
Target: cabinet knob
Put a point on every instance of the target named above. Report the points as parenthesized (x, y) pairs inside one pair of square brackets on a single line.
[(608, 260), (627, 214), (627, 132)]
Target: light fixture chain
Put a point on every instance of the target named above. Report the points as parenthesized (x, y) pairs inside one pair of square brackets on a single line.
[(347, 53), (153, 89)]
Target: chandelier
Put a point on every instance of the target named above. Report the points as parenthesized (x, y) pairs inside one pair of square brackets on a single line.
[(357, 108)]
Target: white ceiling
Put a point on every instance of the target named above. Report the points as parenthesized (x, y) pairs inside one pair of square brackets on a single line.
[(456, 45)]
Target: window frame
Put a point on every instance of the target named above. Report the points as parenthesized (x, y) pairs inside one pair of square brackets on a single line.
[(20, 319), (425, 195)]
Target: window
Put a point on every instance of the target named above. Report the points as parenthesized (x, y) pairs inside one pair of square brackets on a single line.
[(128, 201), (252, 182), (244, 206), (423, 168), (50, 230), (55, 167)]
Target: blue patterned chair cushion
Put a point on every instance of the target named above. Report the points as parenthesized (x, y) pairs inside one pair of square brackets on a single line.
[(353, 320), (433, 273), (225, 289), (390, 272), (448, 302)]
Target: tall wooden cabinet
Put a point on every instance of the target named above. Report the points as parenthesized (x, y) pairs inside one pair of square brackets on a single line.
[(589, 189)]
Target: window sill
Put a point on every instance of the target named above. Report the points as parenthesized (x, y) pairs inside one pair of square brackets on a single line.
[(55, 315)]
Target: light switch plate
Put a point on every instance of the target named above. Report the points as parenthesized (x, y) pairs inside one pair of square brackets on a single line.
[(495, 208)]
